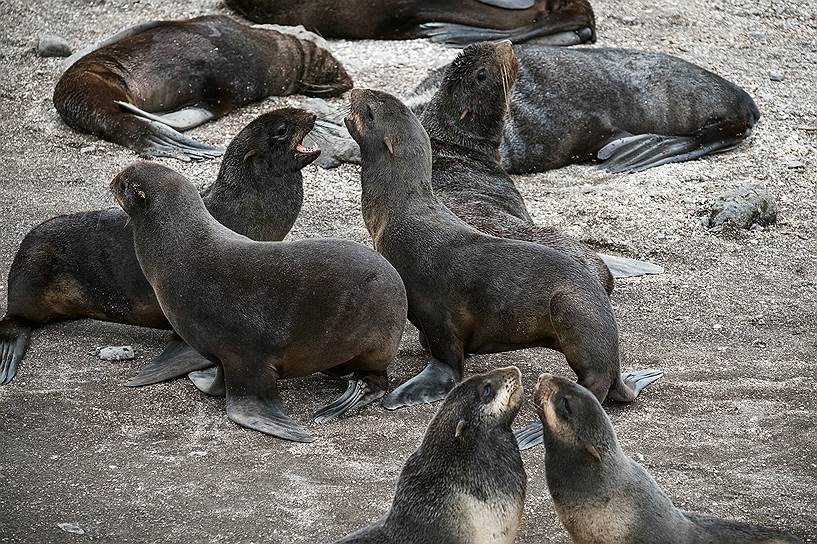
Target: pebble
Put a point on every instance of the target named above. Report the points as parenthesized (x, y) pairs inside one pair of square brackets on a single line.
[(795, 165), (50, 45), (115, 353), (759, 36), (630, 20), (741, 208), (87, 149), (776, 75), (71, 528)]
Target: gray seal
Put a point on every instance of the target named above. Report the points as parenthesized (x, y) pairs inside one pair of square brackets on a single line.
[(601, 495), (263, 311), (465, 484)]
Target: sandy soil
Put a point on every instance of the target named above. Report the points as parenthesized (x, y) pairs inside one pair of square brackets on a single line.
[(729, 431)]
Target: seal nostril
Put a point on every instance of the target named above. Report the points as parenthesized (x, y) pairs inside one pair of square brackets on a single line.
[(585, 34)]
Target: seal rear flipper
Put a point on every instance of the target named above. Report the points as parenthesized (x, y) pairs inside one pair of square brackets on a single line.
[(265, 415), (645, 151), (124, 33), (462, 35), (181, 120), (430, 385), (177, 359), (209, 381), (622, 267), (361, 391), (509, 4), (163, 141), (14, 338), (530, 436), (628, 387)]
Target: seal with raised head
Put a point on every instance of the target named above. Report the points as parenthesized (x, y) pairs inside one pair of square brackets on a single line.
[(464, 122), (263, 311), (601, 495), (83, 265), (631, 109), (455, 22), (470, 292), (465, 484), (147, 84)]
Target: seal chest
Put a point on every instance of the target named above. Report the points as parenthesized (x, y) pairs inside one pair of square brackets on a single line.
[(489, 522)]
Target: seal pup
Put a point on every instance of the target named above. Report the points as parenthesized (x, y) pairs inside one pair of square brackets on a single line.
[(465, 484), (160, 78), (83, 265), (470, 292), (464, 121), (455, 22), (631, 109), (263, 311), (601, 495)]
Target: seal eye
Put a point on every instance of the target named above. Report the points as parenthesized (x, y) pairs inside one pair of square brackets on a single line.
[(563, 408), (281, 132), (481, 75), (369, 112), (486, 394)]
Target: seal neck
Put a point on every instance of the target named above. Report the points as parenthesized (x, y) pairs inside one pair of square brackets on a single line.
[(454, 137)]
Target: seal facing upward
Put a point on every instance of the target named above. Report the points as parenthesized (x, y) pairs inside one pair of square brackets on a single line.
[(263, 311), (465, 484), (601, 495)]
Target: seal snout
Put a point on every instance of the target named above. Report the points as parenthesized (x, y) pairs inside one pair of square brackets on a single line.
[(546, 385)]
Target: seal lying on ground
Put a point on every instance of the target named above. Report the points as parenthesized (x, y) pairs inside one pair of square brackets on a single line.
[(470, 292), (601, 495), (465, 484), (148, 83), (263, 311), (83, 265), (464, 122), (456, 22)]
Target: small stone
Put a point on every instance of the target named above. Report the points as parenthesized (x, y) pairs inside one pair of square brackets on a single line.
[(630, 20), (741, 208), (760, 37), (87, 149), (776, 75), (115, 353), (197, 453), (794, 165), (50, 45), (71, 528), (638, 458), (717, 326)]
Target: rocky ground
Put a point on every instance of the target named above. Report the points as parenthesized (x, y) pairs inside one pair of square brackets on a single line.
[(729, 431)]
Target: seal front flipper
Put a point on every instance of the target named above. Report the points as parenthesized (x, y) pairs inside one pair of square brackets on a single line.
[(430, 385), (362, 390), (529, 436), (209, 381), (622, 267), (630, 384), (14, 338), (462, 35), (163, 141), (181, 120), (509, 4), (266, 415), (645, 151), (177, 359)]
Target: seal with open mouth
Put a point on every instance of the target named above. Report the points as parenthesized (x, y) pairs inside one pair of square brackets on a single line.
[(263, 311), (455, 22), (465, 484), (144, 86), (601, 495), (83, 265)]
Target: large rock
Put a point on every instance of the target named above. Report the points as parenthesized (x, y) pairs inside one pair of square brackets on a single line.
[(50, 45), (742, 208)]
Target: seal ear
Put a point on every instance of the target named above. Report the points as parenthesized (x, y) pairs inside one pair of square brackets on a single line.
[(591, 449), (251, 153), (389, 144), (460, 428)]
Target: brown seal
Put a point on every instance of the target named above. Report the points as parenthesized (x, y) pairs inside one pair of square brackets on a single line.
[(148, 83), (263, 311), (83, 265), (456, 22), (470, 292), (601, 495), (465, 484)]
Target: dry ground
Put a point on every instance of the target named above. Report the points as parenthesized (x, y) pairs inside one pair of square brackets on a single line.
[(729, 431)]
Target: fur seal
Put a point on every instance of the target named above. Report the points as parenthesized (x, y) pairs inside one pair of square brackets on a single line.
[(601, 495), (83, 265), (470, 292), (480, 497), (464, 121), (633, 110), (263, 311), (455, 22), (147, 84)]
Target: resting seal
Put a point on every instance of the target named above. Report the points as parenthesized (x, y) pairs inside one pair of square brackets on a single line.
[(465, 484), (270, 310), (601, 495), (456, 22), (147, 83), (464, 121), (470, 292), (632, 109), (83, 265)]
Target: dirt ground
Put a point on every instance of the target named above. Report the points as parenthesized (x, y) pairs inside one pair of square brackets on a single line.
[(730, 430)]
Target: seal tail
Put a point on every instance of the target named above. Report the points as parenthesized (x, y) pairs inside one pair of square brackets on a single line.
[(177, 359), (14, 338), (622, 267)]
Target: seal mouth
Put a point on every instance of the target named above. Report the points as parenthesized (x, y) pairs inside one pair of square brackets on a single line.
[(305, 154)]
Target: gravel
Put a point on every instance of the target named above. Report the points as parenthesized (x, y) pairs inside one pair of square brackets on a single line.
[(731, 429)]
